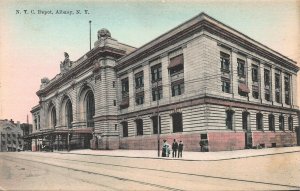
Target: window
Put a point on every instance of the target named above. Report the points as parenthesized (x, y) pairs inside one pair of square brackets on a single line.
[(241, 68), (114, 84), (259, 121), (245, 120), (255, 92), (139, 99), (176, 64), (267, 95), (139, 127), (139, 80), (177, 88), (254, 73), (125, 87), (229, 119), (157, 93), (271, 122), (287, 89), (154, 124), (177, 122), (53, 117), (115, 102), (281, 123), (116, 127), (125, 128), (290, 123), (156, 73), (225, 62), (277, 88), (267, 77), (90, 109), (226, 85), (69, 114)]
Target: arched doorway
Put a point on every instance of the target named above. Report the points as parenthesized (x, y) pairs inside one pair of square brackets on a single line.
[(247, 129), (90, 108), (69, 114)]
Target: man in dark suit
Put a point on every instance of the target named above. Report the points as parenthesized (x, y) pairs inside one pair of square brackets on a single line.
[(174, 148), (180, 149)]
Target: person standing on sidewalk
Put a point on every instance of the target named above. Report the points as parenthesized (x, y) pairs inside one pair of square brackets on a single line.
[(180, 149), (174, 148), (164, 149)]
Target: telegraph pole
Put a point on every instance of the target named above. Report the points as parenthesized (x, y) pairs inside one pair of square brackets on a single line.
[(158, 127), (90, 35)]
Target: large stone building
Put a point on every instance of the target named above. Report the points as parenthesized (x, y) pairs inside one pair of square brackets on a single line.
[(208, 81), (11, 136)]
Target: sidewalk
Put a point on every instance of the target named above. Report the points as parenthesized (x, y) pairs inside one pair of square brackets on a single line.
[(189, 156)]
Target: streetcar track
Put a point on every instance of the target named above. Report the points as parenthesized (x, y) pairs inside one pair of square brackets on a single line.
[(99, 174), (98, 184), (174, 172)]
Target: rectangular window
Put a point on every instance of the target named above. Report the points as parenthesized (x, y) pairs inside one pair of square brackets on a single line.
[(157, 94), (154, 124), (225, 62), (125, 128), (115, 103), (125, 87), (225, 85), (254, 73), (156, 74), (177, 122), (277, 88), (114, 84), (139, 80), (229, 119), (287, 89), (267, 95), (139, 100), (255, 92), (177, 88), (241, 68), (176, 64), (267, 77)]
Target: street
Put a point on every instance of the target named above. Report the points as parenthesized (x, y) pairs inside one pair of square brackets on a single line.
[(62, 171)]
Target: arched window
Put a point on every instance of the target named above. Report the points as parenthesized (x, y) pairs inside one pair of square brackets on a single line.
[(271, 122), (291, 123), (281, 123), (69, 114), (90, 109), (259, 121), (125, 128), (53, 117), (139, 127)]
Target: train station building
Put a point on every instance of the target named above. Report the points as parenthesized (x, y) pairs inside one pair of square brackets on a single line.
[(201, 82)]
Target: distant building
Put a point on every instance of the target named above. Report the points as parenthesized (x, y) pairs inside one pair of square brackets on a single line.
[(213, 86), (27, 130), (11, 136)]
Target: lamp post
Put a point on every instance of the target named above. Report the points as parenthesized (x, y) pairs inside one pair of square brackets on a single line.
[(90, 35), (158, 126)]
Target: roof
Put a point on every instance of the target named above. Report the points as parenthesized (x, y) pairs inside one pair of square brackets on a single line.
[(199, 22)]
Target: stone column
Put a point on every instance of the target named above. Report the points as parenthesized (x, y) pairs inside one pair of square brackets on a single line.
[(233, 73), (131, 91), (261, 83), (249, 77), (272, 91), (166, 86)]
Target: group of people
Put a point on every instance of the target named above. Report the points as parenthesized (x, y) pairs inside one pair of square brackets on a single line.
[(175, 147)]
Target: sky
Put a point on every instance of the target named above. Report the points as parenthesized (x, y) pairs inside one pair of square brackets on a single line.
[(33, 45)]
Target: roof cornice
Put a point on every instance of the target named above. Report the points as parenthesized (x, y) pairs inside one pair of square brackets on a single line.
[(211, 25)]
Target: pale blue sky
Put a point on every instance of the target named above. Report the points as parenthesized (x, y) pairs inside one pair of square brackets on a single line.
[(32, 46)]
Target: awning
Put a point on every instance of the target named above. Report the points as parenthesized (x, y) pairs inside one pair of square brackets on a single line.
[(125, 102), (176, 61), (181, 81), (243, 88), (139, 94)]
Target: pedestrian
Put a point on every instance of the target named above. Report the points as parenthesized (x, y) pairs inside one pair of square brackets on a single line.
[(174, 148), (164, 148), (180, 149)]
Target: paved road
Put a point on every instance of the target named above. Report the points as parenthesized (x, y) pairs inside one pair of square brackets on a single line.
[(56, 171)]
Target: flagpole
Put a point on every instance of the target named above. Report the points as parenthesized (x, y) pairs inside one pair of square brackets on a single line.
[(90, 35)]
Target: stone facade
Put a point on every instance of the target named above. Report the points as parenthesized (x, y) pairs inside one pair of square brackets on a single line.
[(213, 87)]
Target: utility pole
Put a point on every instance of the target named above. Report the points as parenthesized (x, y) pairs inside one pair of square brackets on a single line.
[(158, 127), (90, 35)]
